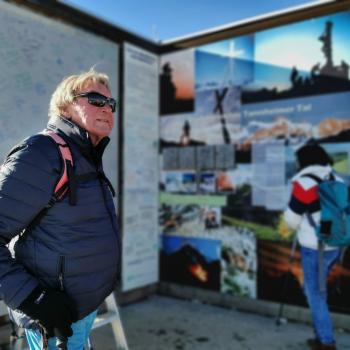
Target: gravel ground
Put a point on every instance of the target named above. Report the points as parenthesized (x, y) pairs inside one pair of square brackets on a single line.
[(161, 323)]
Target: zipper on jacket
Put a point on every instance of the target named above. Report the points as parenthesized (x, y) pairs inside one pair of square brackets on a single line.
[(115, 230), (61, 272)]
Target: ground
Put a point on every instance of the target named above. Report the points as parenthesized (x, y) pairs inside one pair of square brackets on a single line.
[(162, 323)]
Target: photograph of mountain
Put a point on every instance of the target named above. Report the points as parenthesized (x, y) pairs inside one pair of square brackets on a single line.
[(236, 184), (222, 258), (188, 130), (179, 182), (298, 120), (225, 63), (238, 262), (207, 183), (177, 82), (303, 59), (190, 261)]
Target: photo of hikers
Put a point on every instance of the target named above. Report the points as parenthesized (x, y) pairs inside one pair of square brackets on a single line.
[(175, 175)]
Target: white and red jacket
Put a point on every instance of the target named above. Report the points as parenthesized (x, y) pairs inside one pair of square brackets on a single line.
[(304, 198)]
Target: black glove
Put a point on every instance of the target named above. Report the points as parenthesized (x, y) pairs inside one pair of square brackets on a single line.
[(52, 309)]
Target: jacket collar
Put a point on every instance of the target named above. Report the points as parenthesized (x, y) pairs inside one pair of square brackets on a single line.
[(321, 171), (79, 136)]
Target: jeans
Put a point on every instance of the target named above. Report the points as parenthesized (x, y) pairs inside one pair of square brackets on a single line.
[(316, 299), (77, 341)]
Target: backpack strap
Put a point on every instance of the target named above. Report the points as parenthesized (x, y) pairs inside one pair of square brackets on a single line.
[(66, 178), (314, 177), (308, 214), (65, 181), (330, 176)]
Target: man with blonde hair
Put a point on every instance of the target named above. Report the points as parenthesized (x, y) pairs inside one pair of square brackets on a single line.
[(66, 263)]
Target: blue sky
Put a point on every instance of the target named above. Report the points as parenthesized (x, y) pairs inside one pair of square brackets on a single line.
[(298, 45), (275, 51), (167, 19)]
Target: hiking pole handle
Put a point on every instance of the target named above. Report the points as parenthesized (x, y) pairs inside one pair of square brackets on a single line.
[(61, 343)]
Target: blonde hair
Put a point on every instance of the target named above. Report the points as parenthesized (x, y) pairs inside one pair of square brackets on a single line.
[(64, 94)]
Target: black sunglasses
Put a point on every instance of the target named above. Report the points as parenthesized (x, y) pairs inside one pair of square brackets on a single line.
[(98, 100)]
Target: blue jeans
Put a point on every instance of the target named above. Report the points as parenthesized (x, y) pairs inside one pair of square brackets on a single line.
[(317, 300), (77, 341)]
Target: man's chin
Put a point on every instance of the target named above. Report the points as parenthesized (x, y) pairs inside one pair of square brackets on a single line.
[(96, 138), (101, 132)]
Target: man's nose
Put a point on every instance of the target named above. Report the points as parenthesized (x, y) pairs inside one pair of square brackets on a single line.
[(107, 108)]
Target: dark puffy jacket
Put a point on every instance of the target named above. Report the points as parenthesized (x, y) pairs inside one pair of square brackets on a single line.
[(75, 248)]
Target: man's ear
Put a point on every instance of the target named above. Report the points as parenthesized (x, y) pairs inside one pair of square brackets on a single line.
[(64, 114)]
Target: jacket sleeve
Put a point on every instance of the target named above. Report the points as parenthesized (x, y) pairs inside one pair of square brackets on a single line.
[(292, 219), (27, 179), (304, 198)]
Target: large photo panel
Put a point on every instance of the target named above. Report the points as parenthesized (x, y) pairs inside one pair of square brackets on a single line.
[(227, 164)]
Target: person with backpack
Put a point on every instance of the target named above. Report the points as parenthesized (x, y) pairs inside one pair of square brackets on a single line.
[(55, 197), (303, 215)]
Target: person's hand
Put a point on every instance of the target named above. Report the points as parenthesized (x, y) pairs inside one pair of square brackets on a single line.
[(284, 231), (52, 309)]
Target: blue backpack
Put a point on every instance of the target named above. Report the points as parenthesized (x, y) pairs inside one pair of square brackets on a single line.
[(334, 227)]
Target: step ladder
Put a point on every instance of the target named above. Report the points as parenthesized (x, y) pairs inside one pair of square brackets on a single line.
[(110, 316)]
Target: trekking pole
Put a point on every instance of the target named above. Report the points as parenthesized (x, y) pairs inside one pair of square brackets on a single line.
[(61, 340), (280, 320), (89, 344), (61, 343), (14, 335)]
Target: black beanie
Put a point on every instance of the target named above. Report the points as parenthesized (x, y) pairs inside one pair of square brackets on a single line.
[(312, 155)]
